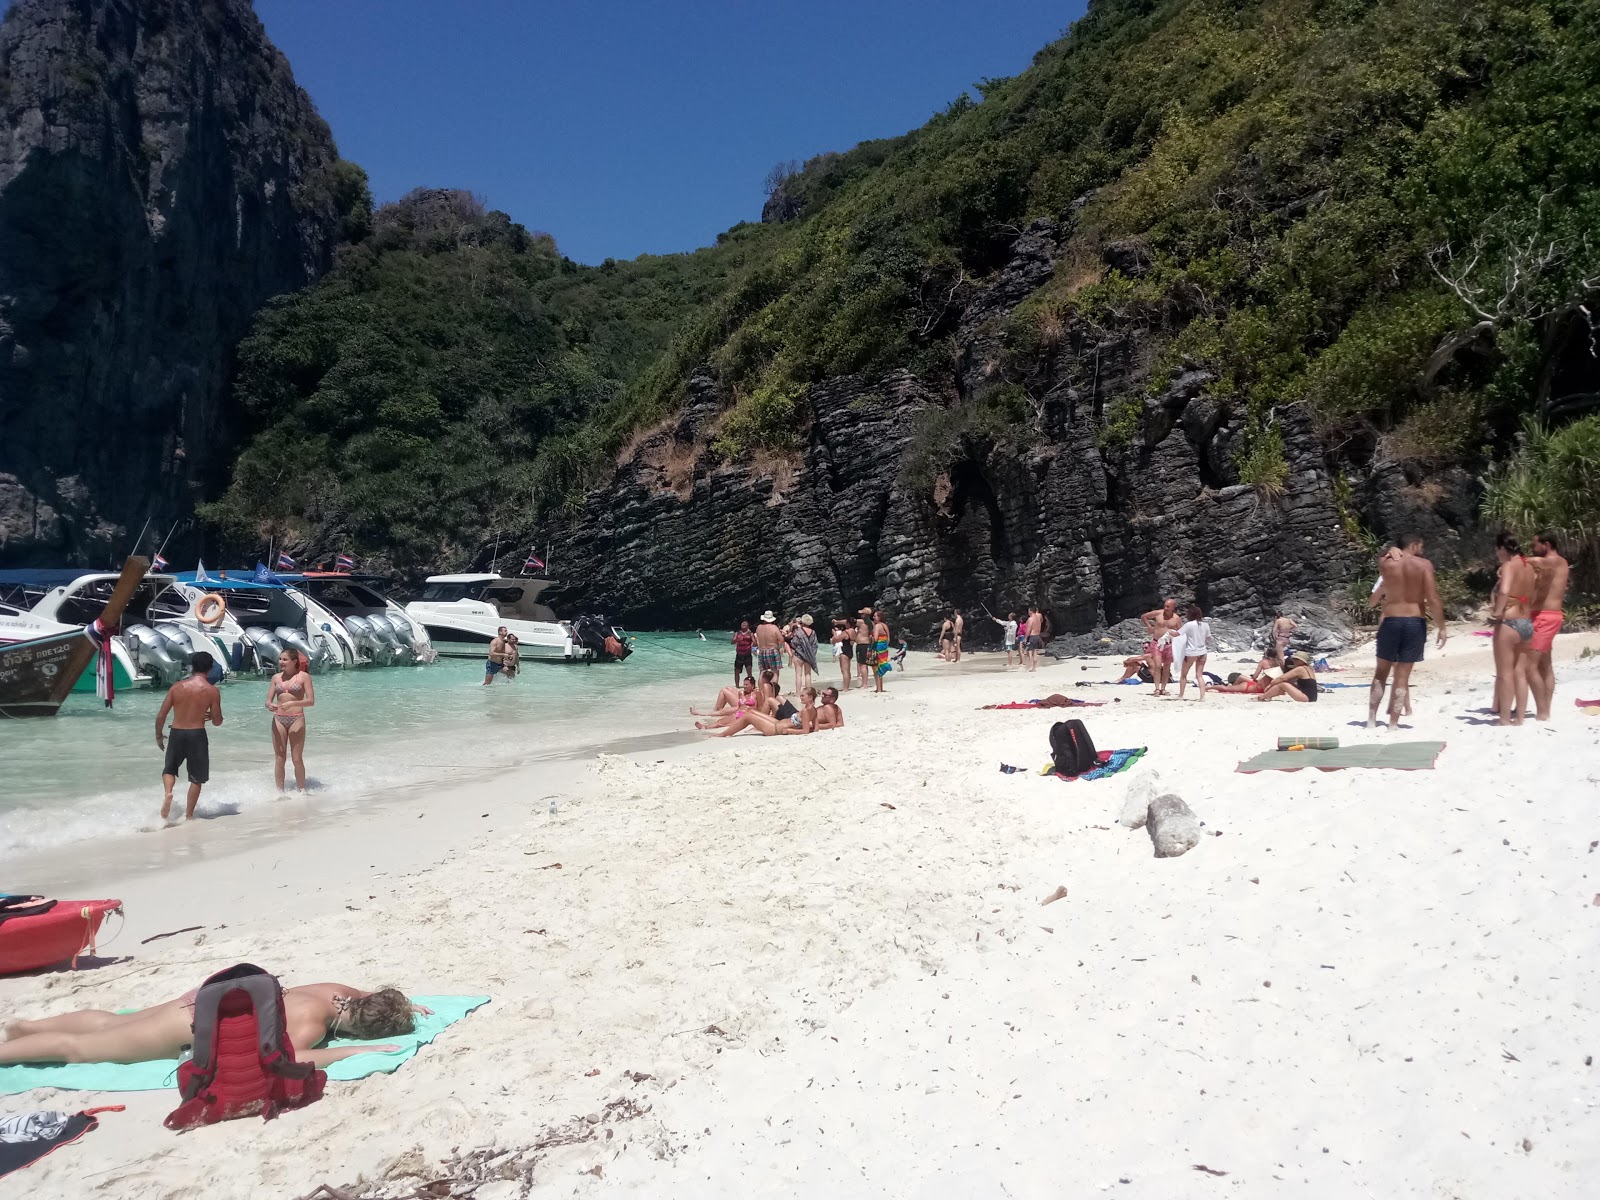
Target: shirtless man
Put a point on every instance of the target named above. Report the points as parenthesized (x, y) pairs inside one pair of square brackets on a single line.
[(497, 657), (861, 638), (313, 1013), (769, 644), (1033, 639), (959, 627), (1408, 586), (192, 702), (829, 714), (1162, 624), (1549, 598)]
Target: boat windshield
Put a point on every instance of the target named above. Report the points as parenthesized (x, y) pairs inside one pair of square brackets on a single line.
[(344, 597), (449, 593), (89, 601)]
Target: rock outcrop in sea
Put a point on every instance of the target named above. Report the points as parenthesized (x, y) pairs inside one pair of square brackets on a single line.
[(161, 177)]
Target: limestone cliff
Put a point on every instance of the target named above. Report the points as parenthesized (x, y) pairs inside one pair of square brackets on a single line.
[(1094, 533), (161, 176)]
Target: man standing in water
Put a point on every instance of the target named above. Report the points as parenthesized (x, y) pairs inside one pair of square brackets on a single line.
[(1408, 586), (191, 702), (1549, 598), (497, 657), (743, 644)]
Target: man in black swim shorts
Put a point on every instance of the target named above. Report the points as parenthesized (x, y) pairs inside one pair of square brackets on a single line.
[(191, 702), (1408, 586)]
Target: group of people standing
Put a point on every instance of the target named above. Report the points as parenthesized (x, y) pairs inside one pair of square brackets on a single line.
[(1023, 638), (1526, 611), (195, 702)]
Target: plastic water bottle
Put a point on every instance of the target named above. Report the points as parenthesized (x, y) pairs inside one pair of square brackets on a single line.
[(552, 806)]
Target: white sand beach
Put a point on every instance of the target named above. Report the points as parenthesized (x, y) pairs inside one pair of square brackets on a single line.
[(820, 966)]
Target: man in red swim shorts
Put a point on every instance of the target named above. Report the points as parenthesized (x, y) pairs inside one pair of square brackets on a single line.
[(1549, 597)]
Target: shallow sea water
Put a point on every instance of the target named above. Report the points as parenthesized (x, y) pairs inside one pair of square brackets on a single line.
[(91, 772)]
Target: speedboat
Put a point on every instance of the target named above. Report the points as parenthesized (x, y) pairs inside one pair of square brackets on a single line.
[(380, 630), (462, 614), (157, 639), (271, 617)]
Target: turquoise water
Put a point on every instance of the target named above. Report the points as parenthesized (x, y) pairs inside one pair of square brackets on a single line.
[(90, 771)]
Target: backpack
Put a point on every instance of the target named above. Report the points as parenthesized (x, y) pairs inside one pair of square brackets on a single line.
[(1072, 750), (243, 1063)]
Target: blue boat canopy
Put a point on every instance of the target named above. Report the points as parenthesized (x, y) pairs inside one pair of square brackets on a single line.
[(235, 582)]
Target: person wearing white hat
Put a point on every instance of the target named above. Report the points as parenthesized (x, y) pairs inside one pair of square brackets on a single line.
[(769, 644)]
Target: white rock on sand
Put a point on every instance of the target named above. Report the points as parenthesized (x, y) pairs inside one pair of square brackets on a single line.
[(820, 966)]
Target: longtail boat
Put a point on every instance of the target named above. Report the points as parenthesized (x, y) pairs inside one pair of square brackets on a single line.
[(37, 675)]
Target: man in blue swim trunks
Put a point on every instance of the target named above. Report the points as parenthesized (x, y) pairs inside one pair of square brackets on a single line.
[(1408, 586), (497, 657)]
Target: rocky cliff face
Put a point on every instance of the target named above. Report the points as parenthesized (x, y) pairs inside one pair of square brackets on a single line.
[(161, 176), (1094, 534)]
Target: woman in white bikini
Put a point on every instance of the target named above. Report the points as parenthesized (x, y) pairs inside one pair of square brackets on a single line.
[(288, 696)]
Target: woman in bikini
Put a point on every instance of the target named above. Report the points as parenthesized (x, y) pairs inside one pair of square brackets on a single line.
[(1511, 615), (731, 703), (288, 696), (313, 1013), (843, 650)]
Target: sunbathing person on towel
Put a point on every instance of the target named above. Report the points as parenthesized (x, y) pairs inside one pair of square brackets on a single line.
[(313, 1013), (1299, 682)]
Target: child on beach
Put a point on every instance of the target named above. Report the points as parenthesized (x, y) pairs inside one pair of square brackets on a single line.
[(1194, 638)]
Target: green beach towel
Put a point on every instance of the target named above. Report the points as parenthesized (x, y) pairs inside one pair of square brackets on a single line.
[(163, 1073), (1399, 756)]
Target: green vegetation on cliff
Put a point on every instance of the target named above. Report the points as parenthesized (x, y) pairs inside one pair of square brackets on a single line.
[(1375, 208)]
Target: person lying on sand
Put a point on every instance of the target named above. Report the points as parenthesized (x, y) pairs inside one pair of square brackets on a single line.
[(829, 714), (313, 1013), (1242, 685), (1298, 682)]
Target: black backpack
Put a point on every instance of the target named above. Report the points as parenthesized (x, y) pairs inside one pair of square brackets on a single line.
[(1072, 750)]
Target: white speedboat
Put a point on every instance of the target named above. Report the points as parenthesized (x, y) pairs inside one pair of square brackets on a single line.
[(463, 612), (158, 636), (380, 630)]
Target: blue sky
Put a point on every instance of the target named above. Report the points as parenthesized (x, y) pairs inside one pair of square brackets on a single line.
[(629, 127)]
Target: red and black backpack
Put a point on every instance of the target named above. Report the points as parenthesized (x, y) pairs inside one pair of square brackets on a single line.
[(243, 1062), (1072, 750)]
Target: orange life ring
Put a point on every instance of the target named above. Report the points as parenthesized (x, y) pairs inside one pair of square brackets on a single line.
[(210, 609)]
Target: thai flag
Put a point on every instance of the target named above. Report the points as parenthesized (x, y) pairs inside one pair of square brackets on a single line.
[(534, 563), (285, 563), (344, 563), (158, 563)]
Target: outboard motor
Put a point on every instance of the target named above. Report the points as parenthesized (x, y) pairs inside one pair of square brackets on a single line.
[(266, 647), (402, 630), (184, 643), (326, 652), (294, 639), (624, 644), (364, 636), (384, 628), (151, 654)]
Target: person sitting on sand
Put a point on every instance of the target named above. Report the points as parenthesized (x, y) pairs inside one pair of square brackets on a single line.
[(1298, 682), (1135, 665), (796, 720), (829, 714), (731, 701), (313, 1013)]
